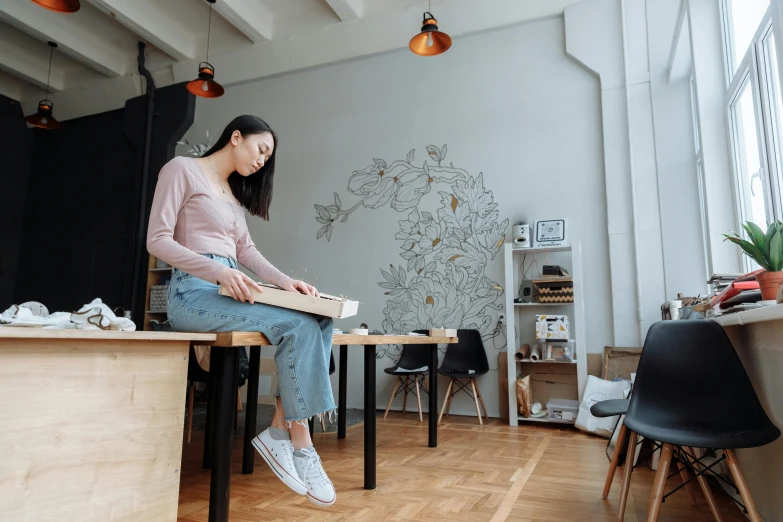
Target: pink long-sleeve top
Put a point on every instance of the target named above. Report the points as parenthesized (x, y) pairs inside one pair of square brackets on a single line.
[(188, 219)]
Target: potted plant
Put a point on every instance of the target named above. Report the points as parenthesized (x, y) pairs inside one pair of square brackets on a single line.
[(767, 251)]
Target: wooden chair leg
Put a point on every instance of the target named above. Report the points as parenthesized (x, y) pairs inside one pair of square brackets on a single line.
[(446, 399), (630, 454), (475, 400), (618, 449), (424, 382), (393, 395), (323, 424), (483, 407), (739, 479), (659, 487), (686, 477), (405, 396), (239, 400), (191, 399), (448, 408), (418, 398), (705, 486)]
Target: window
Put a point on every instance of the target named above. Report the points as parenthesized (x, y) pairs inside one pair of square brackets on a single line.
[(754, 108)]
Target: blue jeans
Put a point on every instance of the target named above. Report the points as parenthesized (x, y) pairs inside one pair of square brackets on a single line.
[(304, 341)]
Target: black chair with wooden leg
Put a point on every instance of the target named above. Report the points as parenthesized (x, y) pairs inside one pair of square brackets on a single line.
[(464, 361), (691, 391), (411, 372)]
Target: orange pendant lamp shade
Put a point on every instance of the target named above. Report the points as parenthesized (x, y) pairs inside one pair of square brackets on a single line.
[(205, 85), (43, 119), (430, 41), (60, 6)]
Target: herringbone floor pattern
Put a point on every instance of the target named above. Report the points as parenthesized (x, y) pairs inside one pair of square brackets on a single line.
[(490, 472)]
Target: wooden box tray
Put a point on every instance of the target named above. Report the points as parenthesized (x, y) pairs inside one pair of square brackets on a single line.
[(326, 305)]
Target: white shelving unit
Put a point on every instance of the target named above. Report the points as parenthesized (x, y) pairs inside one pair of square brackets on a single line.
[(521, 317)]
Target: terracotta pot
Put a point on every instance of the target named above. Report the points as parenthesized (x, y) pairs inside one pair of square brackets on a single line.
[(769, 282)]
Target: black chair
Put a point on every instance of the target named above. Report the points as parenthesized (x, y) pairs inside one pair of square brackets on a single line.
[(464, 361), (413, 357), (691, 391)]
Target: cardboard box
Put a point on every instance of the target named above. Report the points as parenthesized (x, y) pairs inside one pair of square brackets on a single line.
[(552, 327), (326, 305)]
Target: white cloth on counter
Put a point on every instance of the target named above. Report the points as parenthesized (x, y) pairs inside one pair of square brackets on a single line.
[(92, 316)]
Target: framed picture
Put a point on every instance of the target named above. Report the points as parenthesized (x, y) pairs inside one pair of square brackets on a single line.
[(550, 233)]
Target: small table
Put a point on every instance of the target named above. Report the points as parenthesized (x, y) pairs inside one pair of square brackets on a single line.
[(218, 439)]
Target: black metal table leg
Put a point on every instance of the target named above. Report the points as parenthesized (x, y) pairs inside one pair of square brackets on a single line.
[(210, 422), (251, 409), (369, 417), (225, 372), (433, 416), (342, 392)]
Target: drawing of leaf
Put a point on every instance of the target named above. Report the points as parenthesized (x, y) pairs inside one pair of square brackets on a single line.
[(412, 262), (411, 154), (408, 255), (322, 220), (387, 285), (413, 217), (379, 163), (432, 266), (434, 152), (322, 231), (337, 201), (454, 203), (332, 209), (345, 218), (387, 276), (443, 152), (329, 233), (426, 217), (322, 212), (420, 263)]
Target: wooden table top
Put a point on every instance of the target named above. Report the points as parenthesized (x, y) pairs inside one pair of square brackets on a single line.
[(257, 339), (7, 332)]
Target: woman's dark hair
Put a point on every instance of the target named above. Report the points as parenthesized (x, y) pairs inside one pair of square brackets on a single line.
[(253, 192)]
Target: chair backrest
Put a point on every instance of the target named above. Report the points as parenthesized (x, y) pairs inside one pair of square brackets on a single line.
[(414, 355), (468, 353), (689, 372)]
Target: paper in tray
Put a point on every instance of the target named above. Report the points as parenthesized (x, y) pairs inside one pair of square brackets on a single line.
[(326, 305)]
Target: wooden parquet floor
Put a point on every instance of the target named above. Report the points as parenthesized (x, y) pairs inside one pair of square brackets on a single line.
[(491, 472)]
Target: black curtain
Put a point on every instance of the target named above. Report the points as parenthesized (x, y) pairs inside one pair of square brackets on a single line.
[(81, 221)]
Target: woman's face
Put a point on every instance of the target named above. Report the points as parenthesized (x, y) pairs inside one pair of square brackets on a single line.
[(251, 152)]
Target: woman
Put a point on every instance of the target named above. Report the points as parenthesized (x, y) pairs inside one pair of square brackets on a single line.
[(197, 225)]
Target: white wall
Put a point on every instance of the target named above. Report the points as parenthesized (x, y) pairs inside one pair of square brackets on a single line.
[(508, 103)]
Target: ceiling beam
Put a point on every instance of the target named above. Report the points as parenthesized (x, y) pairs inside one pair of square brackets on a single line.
[(347, 10), (250, 17), (150, 24), (89, 46), (28, 60), (10, 87)]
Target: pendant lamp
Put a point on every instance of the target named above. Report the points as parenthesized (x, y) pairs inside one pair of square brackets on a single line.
[(43, 117), (61, 6), (430, 41), (205, 85)]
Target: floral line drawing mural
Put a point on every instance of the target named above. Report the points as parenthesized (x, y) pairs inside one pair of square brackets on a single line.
[(443, 281)]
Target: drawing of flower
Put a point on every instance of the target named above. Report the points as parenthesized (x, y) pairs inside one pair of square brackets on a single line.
[(443, 283)]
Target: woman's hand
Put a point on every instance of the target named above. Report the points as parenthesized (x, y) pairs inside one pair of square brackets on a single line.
[(300, 287), (238, 284)]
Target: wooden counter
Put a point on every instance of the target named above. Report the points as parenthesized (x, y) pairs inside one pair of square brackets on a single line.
[(91, 424)]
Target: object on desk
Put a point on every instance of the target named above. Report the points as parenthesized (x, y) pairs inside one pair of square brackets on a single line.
[(523, 353), (780, 295), (535, 353), (443, 332), (524, 396), (38, 309), (554, 271), (746, 296), (670, 310), (771, 302), (552, 327), (326, 305), (550, 233), (359, 331), (746, 282), (336, 331), (416, 334), (562, 409)]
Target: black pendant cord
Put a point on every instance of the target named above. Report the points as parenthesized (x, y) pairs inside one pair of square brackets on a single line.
[(49, 76), (209, 30)]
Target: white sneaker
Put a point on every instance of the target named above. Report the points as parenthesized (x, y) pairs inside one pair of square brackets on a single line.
[(320, 490), (279, 454)]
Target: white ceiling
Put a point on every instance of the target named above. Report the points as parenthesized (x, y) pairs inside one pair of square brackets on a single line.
[(249, 39)]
